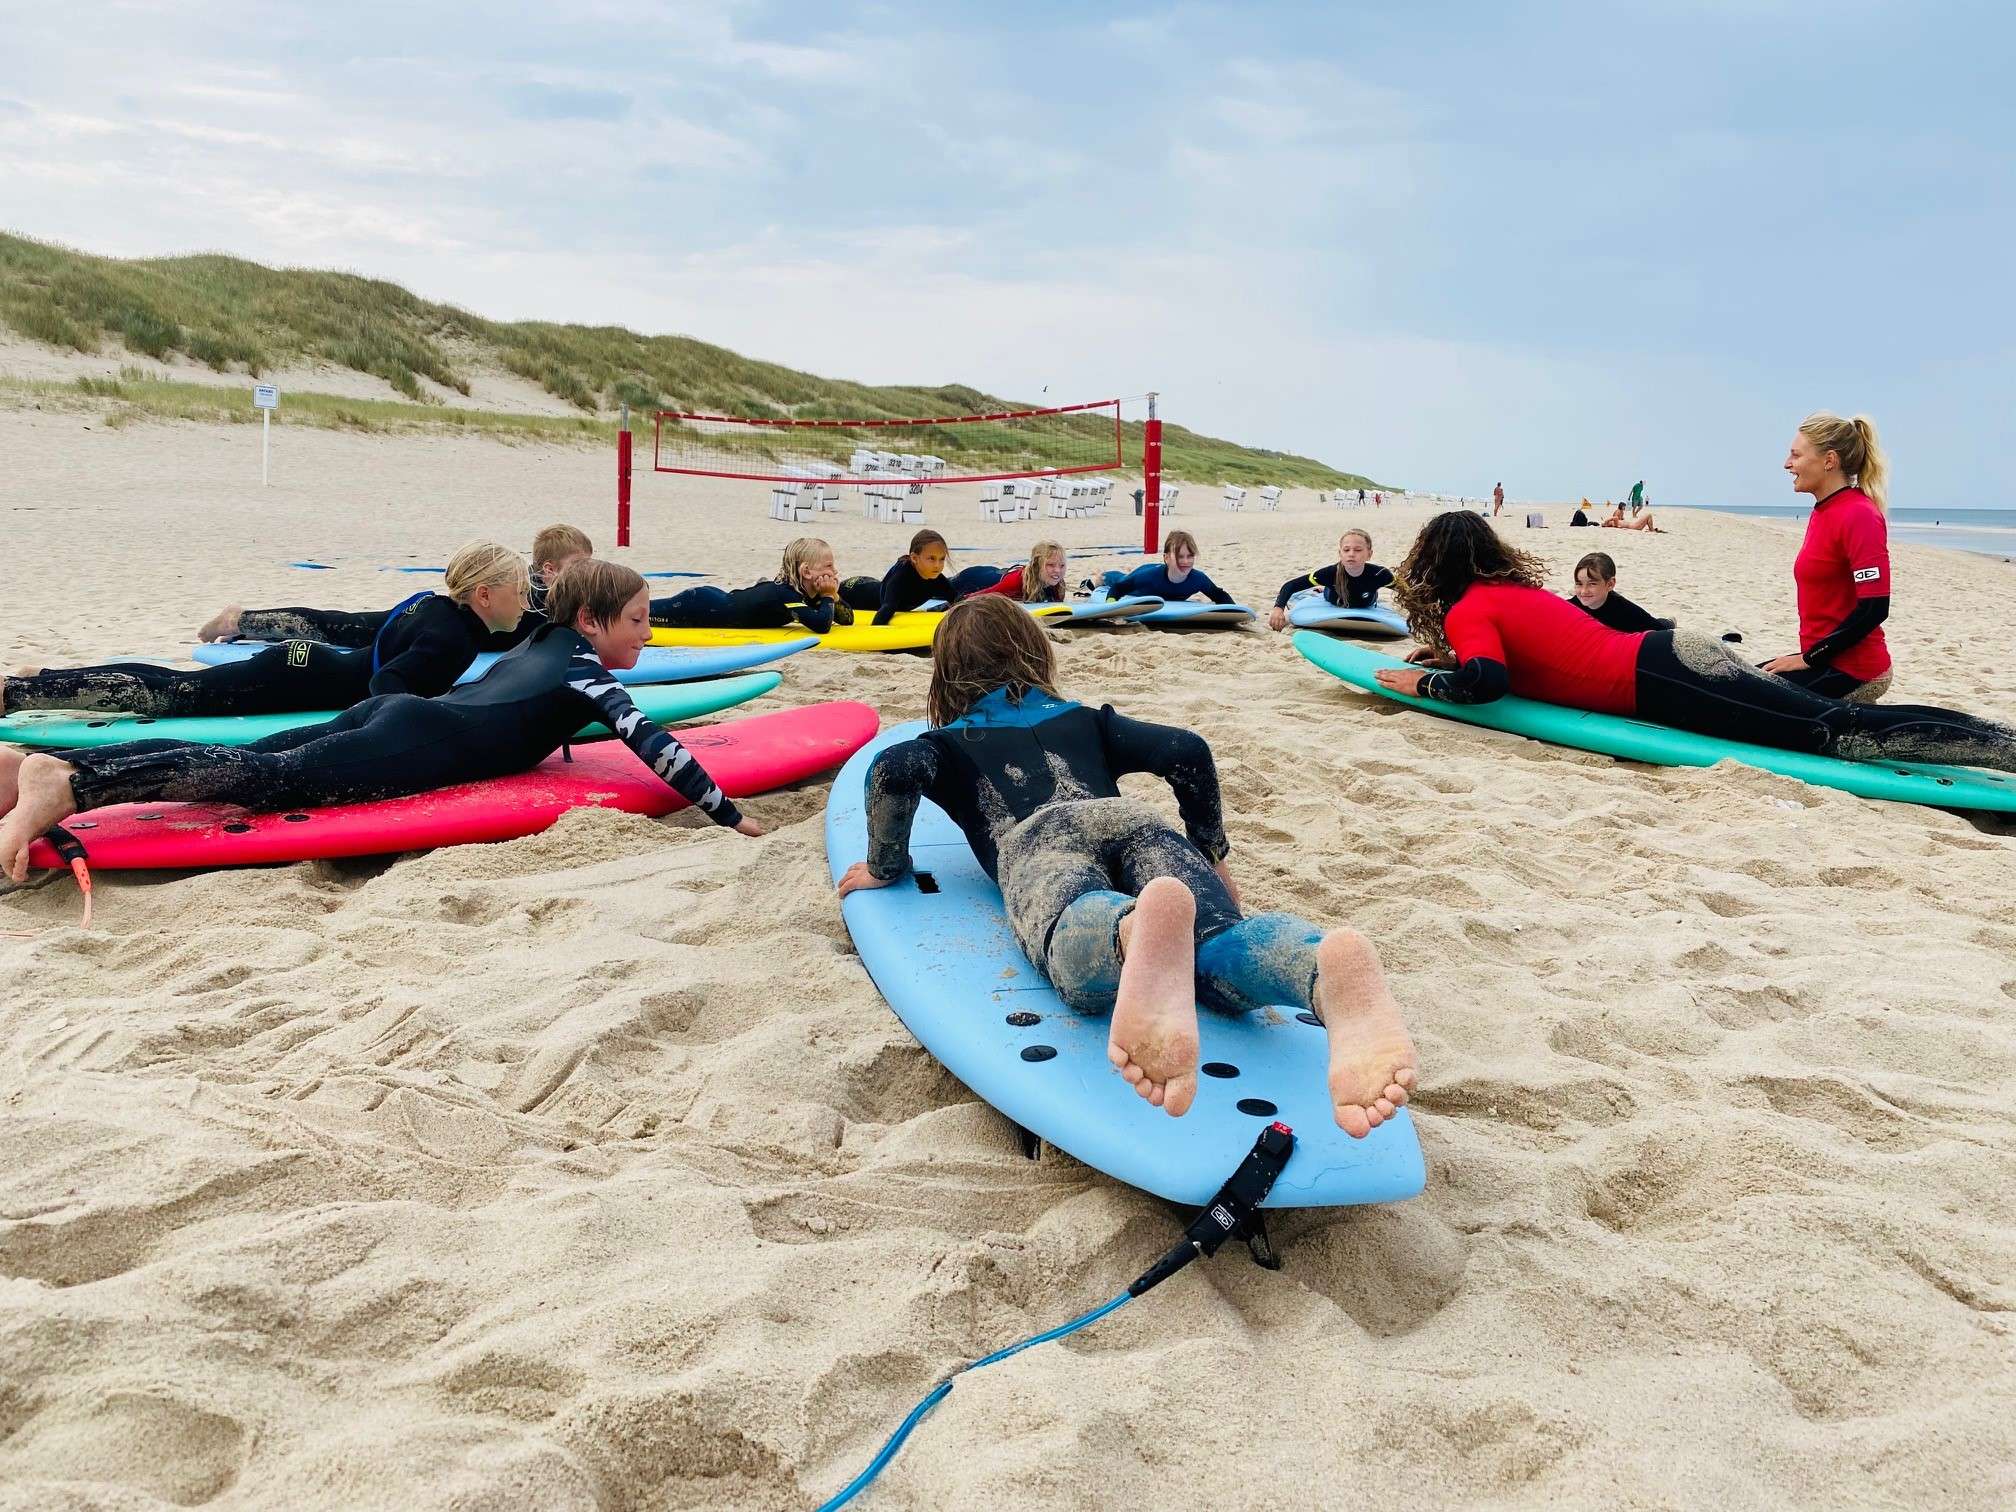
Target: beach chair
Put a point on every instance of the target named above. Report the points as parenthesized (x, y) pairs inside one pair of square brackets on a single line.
[(787, 503), (1169, 499), (1235, 498), (994, 506), (1270, 497)]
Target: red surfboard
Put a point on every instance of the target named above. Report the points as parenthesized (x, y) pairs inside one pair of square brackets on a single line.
[(743, 756)]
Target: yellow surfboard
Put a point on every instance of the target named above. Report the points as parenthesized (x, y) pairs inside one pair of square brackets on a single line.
[(910, 631)]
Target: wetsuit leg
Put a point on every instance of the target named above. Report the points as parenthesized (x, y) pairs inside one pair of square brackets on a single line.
[(704, 608), (333, 627), (385, 748), (1828, 682), (862, 593), (294, 677), (1263, 959), (973, 579), (1693, 683)]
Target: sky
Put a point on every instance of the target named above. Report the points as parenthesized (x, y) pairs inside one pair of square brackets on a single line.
[(1566, 246)]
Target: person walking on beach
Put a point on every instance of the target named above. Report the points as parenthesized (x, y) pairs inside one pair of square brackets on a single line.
[(1842, 572), (1638, 493), (1498, 499)]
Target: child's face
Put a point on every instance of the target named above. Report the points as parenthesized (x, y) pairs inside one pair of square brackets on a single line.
[(1181, 558), (929, 562), (819, 575), (618, 642), (1592, 590), (1053, 569), (499, 605), (1353, 553)]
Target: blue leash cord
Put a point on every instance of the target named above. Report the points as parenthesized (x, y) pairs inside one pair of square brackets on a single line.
[(943, 1389)]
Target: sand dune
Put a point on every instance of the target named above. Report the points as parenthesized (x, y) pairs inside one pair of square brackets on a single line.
[(591, 1171)]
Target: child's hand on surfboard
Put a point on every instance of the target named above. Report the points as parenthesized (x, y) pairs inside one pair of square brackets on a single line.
[(858, 876)]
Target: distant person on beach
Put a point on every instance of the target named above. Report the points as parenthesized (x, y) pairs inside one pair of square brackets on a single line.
[(1485, 623), (1174, 578), (1582, 515), (805, 593), (1637, 493), (552, 549), (1498, 499), (1842, 571), (1352, 581), (1616, 520), (1126, 915), (1596, 595)]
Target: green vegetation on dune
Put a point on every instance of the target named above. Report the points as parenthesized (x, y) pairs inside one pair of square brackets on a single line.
[(232, 316)]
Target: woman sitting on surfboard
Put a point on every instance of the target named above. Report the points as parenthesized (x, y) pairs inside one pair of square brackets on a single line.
[(1124, 914), (1596, 595), (552, 549), (1476, 604), (915, 578), (422, 647), (805, 592), (1352, 581), (523, 711), (1040, 580), (1174, 578), (1843, 568)]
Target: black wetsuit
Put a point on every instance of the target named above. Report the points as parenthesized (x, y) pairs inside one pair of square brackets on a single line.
[(1360, 592), (360, 627), (1032, 785), (904, 589), (422, 649), (768, 605), (1152, 581), (521, 712), (1619, 613), (861, 592)]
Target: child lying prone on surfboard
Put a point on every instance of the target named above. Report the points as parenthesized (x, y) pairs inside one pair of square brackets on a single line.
[(1353, 581), (805, 592), (1125, 915)]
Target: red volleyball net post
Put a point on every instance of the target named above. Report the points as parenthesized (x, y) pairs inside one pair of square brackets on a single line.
[(623, 480), (1151, 482)]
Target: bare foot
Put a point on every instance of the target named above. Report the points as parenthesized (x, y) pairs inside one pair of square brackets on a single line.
[(222, 625), (43, 798), (1153, 1040), (10, 775), (1372, 1066)]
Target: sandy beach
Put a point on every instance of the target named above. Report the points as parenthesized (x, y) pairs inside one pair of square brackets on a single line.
[(591, 1170)]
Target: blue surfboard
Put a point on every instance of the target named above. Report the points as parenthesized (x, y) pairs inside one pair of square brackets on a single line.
[(1182, 614), (1308, 610), (938, 946), (655, 664)]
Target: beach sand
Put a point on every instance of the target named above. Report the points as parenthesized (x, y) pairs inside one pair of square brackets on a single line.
[(591, 1170)]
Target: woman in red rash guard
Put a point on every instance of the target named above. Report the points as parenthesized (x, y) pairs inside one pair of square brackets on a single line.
[(1843, 567), (1478, 607)]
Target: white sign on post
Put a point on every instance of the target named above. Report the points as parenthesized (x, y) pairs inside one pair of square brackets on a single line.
[(265, 399)]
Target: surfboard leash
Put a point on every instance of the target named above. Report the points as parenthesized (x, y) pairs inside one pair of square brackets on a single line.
[(69, 848), (1233, 1213)]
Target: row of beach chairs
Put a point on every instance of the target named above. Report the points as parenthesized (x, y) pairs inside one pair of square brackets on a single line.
[(1235, 497)]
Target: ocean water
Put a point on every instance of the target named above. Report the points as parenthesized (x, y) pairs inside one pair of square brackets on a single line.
[(1989, 532)]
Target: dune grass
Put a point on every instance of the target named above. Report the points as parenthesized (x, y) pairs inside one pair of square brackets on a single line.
[(237, 316)]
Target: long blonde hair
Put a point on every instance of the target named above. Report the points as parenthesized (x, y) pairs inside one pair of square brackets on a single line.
[(484, 564), (986, 643), (1854, 442), (797, 555), (1032, 570)]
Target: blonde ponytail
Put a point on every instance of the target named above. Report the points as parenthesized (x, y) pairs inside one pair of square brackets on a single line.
[(483, 564), (1854, 442)]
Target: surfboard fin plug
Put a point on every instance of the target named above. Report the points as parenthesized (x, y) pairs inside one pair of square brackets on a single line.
[(71, 849), (1234, 1213)]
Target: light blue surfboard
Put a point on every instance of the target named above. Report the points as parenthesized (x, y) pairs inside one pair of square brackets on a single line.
[(655, 664), (1308, 610), (939, 948), (1184, 614), (1661, 745)]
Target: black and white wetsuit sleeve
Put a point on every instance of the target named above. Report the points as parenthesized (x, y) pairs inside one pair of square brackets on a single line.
[(1181, 758), (673, 763), (898, 780), (1867, 614), (438, 651), (1478, 680)]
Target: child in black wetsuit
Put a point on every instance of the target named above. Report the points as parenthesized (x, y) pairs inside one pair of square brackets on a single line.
[(1353, 581), (1174, 578), (805, 593), (422, 647), (528, 705), (917, 577), (1596, 595), (552, 550), (1123, 913)]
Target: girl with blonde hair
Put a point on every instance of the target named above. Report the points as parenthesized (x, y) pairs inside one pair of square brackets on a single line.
[(805, 592), (421, 647), (1842, 571), (1125, 914), (1352, 581), (1040, 580)]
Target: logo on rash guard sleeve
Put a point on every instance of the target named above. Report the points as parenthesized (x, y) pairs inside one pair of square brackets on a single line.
[(1868, 574)]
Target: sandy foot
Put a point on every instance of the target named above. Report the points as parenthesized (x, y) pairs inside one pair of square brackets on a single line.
[(1153, 1040), (1372, 1064), (42, 798)]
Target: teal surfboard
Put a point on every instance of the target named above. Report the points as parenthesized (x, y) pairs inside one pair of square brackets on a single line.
[(938, 946), (1661, 745), (69, 730)]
